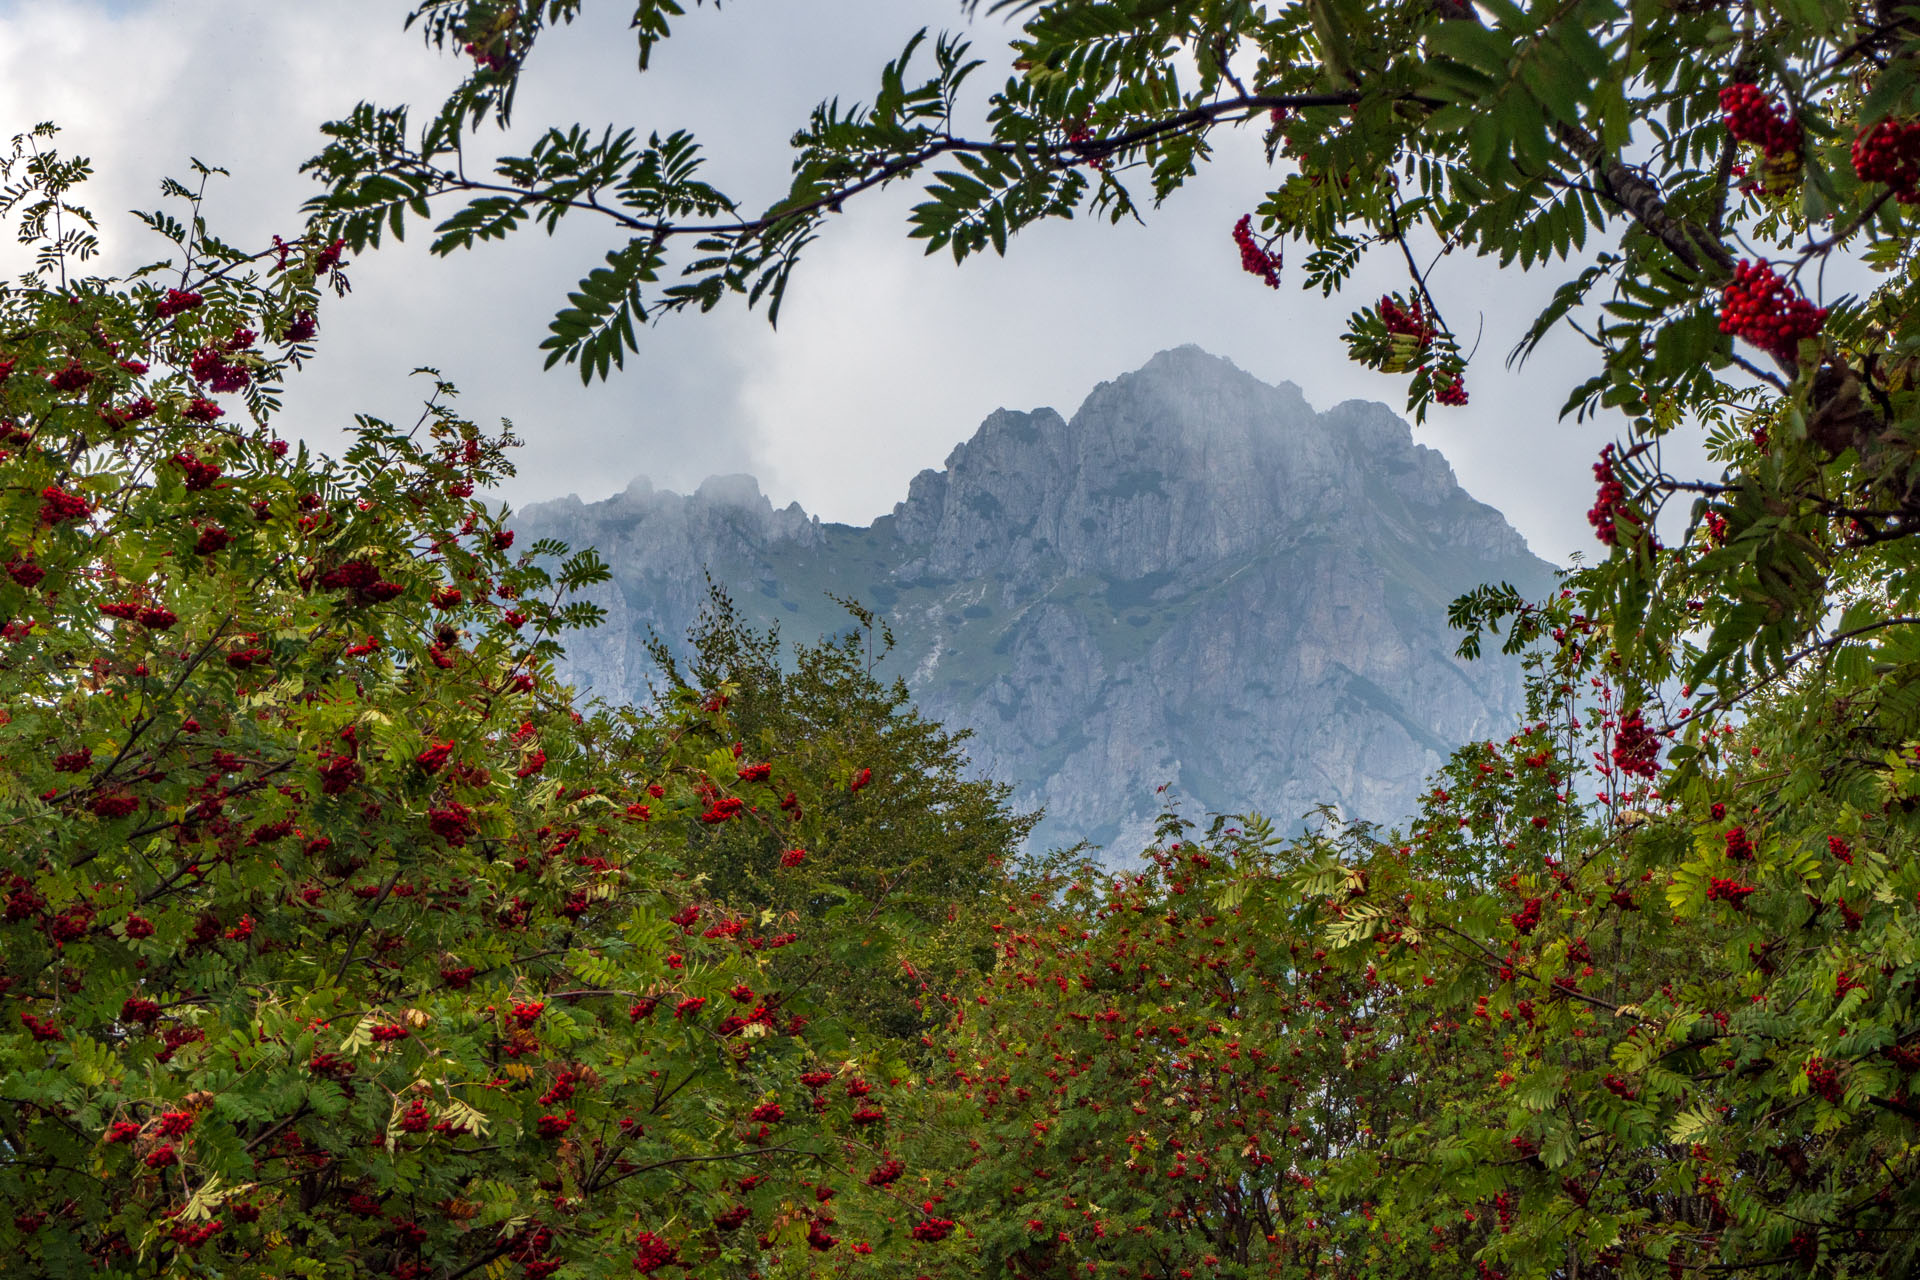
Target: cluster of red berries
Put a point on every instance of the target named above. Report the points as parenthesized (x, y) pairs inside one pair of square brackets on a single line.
[(1739, 846), (41, 1028), (453, 823), (434, 756), (733, 1024), (654, 1254), (192, 1237), (137, 410), (1636, 748), (114, 807), (152, 617), (1254, 259), (1824, 1078), (340, 774), (1609, 504), (176, 301), (1449, 389), (1889, 153), (1731, 892), (723, 809), (57, 506), (74, 377), (362, 580), (1409, 320), (211, 365), (1751, 116), (1527, 918), (931, 1228), (1762, 308)]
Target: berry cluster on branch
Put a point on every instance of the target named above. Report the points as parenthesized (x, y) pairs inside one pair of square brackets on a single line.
[(1753, 117), (1768, 312), (1255, 260), (1889, 153)]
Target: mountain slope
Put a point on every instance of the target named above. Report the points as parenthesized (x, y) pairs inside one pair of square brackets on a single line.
[(1196, 580)]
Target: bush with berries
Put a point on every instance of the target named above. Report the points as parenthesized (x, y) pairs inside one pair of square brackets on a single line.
[(1591, 1003), (331, 933), (869, 865)]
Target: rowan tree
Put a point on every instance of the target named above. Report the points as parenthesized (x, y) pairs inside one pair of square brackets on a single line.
[(879, 843), (1683, 888), (333, 939)]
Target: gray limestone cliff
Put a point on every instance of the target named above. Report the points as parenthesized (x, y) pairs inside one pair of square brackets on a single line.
[(1197, 580)]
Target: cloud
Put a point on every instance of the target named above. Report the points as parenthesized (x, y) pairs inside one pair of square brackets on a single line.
[(884, 359)]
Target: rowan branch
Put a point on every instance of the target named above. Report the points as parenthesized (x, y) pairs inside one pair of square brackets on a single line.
[(1639, 197)]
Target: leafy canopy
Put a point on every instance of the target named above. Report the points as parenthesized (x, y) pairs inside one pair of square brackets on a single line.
[(1660, 942), (333, 939)]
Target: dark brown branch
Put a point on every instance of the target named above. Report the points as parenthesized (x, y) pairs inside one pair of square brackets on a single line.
[(1061, 157), (1642, 199)]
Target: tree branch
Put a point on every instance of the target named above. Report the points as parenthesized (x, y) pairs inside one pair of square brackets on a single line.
[(1642, 199)]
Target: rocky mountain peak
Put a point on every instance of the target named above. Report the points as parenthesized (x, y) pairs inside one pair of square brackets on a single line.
[(1195, 579)]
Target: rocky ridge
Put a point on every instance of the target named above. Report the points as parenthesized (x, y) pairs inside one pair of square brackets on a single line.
[(1197, 580)]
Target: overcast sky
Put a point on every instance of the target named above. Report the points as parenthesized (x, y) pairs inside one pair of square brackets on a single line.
[(885, 358)]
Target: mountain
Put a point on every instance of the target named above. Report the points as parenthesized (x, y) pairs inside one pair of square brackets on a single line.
[(1196, 580)]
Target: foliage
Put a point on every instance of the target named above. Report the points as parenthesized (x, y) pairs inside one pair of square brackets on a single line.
[(1634, 993), (1637, 1034), (334, 941), (1161, 1071), (879, 840), (1694, 1006), (1697, 977)]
